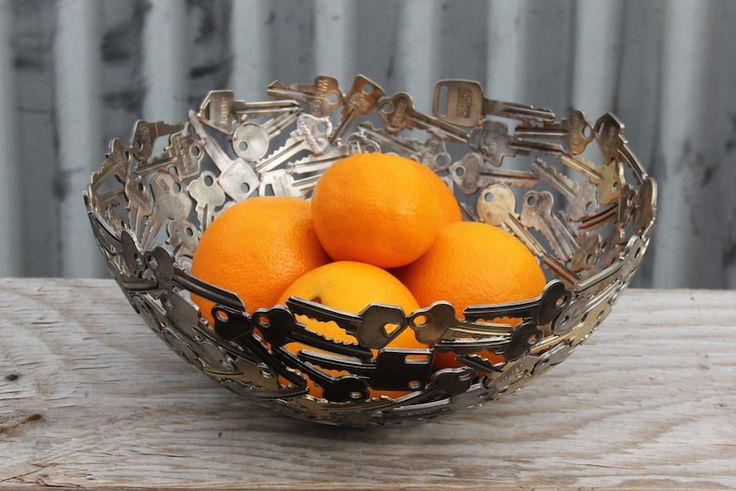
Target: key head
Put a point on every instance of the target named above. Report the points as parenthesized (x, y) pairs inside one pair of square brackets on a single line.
[(216, 110), (171, 201), (494, 142), (465, 173), (206, 191), (315, 132), (328, 96), (587, 253), (250, 141), (187, 154), (495, 203), (145, 134), (183, 237), (362, 97), (394, 112), (458, 102), (612, 180), (239, 180), (609, 134), (139, 195), (580, 131), (537, 205)]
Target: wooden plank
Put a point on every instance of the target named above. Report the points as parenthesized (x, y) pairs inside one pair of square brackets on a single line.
[(89, 397)]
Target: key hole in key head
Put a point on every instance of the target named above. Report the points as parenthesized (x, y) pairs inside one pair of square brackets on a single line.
[(531, 200), (387, 108), (459, 171), (208, 181), (367, 89), (332, 98), (195, 151), (488, 197), (244, 187), (243, 146)]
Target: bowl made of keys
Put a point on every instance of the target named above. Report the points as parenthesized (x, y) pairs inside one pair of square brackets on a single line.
[(572, 191)]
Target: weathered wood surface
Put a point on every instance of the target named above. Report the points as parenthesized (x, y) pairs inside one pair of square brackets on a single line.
[(90, 397)]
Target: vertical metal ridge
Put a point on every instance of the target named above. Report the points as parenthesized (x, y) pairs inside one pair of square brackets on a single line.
[(11, 231), (166, 60), (683, 89), (334, 42), (416, 49), (250, 44), (77, 85)]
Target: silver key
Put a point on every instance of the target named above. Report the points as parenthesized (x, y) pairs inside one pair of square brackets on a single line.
[(469, 174), (146, 133), (310, 136), (608, 179), (323, 96), (182, 153), (237, 178), (280, 183), (221, 111), (208, 195), (580, 195), (320, 163), (398, 113), (115, 166), (359, 143), (537, 213), (171, 203), (433, 152), (183, 238), (465, 104), (140, 202), (492, 140), (575, 130), (361, 98), (497, 206), (251, 140)]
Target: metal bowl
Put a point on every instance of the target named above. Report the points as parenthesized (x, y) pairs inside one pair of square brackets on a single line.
[(509, 164)]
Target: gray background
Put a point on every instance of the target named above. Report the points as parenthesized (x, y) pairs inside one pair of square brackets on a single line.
[(76, 73)]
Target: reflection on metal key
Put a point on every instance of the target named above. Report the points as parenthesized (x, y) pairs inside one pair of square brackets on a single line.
[(537, 213), (497, 206), (237, 178), (310, 135), (183, 237), (465, 104), (171, 202), (251, 140), (181, 153), (323, 96), (608, 179), (208, 195), (608, 133), (432, 152), (362, 97), (575, 130), (469, 174), (398, 113)]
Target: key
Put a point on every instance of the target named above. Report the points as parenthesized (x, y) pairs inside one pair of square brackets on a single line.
[(208, 195), (237, 178), (574, 130), (609, 132), (139, 202), (361, 98), (221, 111), (182, 153), (183, 238), (580, 195), (586, 252), (114, 166), (626, 203), (537, 213), (323, 96), (310, 135), (608, 179), (492, 140), (398, 113), (497, 206), (465, 104), (146, 133), (359, 143), (433, 152), (469, 175), (646, 206), (320, 163), (251, 140), (171, 202)]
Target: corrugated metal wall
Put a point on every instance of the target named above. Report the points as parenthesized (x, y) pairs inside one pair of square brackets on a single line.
[(75, 73)]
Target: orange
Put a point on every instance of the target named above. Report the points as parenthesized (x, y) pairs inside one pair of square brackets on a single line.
[(350, 287), (376, 208), (256, 249), (473, 263), (449, 209)]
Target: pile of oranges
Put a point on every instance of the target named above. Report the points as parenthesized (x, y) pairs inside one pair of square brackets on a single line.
[(379, 229)]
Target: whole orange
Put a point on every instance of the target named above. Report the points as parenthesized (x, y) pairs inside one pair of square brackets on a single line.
[(256, 249), (473, 263), (350, 287), (375, 208), (449, 209)]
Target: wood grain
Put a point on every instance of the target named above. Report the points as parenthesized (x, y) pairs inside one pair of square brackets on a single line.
[(89, 397)]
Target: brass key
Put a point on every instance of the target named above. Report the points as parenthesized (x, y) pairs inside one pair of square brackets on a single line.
[(323, 96), (398, 113), (466, 104), (360, 99)]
